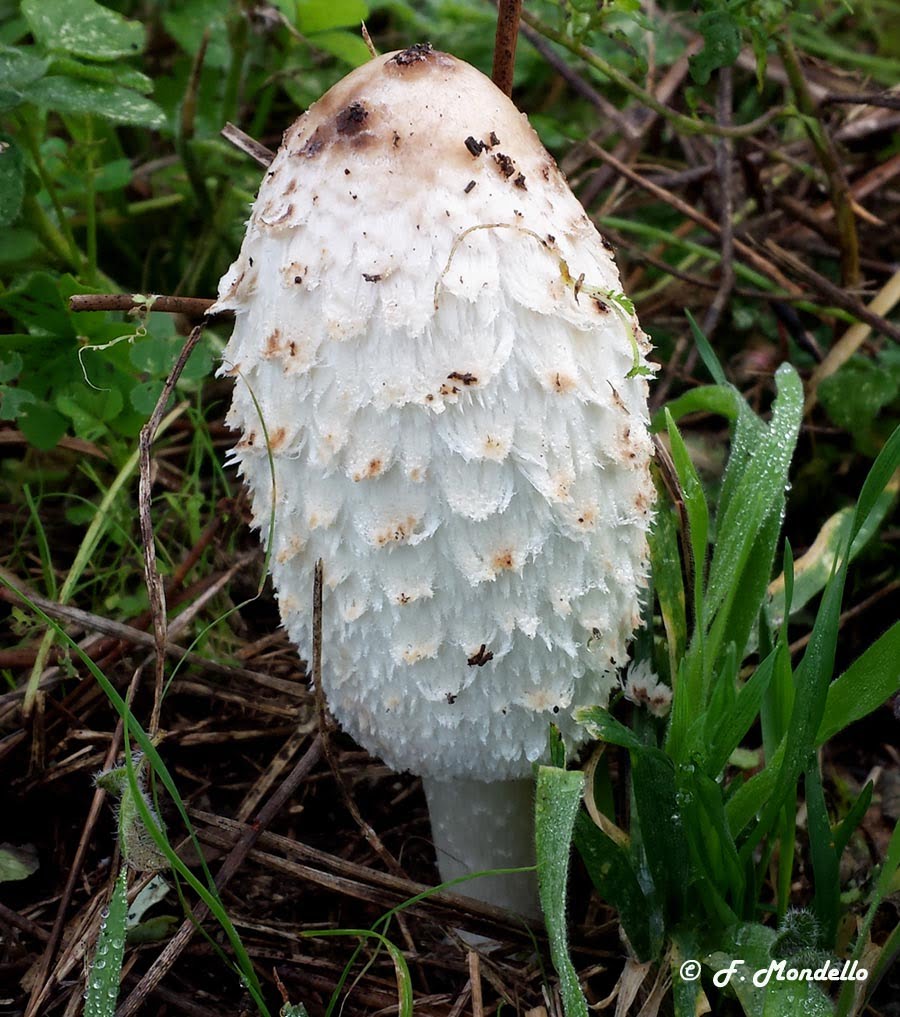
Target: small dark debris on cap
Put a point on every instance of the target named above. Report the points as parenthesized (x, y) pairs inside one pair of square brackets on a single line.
[(520, 181), (475, 146), (413, 54), (507, 166), (351, 119), (371, 278), (468, 186)]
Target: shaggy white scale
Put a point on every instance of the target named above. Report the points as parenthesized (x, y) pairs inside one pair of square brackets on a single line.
[(433, 334)]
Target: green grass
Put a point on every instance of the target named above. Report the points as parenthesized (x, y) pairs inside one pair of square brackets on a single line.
[(113, 178)]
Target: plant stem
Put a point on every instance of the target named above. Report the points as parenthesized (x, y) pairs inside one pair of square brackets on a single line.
[(73, 256), (193, 307), (685, 124), (48, 233), (828, 158), (237, 43), (90, 205), (508, 13)]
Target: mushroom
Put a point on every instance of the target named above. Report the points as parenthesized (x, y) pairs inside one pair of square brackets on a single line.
[(432, 345)]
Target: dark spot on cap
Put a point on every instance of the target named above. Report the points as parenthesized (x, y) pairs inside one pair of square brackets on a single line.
[(251, 262), (551, 239), (466, 378), (414, 54), (481, 656), (346, 172), (474, 146), (601, 307), (314, 144), (520, 182), (396, 139), (494, 139), (371, 278), (451, 698), (469, 186), (351, 119), (607, 245), (507, 166)]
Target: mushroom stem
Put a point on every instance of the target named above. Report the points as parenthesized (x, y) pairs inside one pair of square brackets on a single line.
[(478, 825)]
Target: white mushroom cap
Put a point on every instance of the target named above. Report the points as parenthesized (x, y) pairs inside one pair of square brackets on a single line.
[(422, 316)]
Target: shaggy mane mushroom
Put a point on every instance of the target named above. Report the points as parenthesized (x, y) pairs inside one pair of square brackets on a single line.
[(451, 384)]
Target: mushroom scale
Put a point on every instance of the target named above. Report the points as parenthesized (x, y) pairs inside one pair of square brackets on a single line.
[(430, 328)]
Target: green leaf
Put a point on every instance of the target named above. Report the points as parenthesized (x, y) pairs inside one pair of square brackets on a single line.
[(845, 829), (824, 856), (665, 561), (320, 15), (152, 355), (17, 245), (708, 354), (722, 400), (17, 862), (199, 365), (752, 944), (602, 725), (113, 176), (877, 480), (10, 98), (42, 425), (855, 395), (14, 402), (813, 675), (120, 105), (126, 77), (106, 968), (721, 44), (558, 798), (346, 46), (84, 28), (711, 845), (89, 410), (737, 721), (36, 302), (694, 501), (21, 66), (11, 367), (12, 180), (758, 493), (661, 828), (612, 874), (145, 395), (869, 681), (188, 23)]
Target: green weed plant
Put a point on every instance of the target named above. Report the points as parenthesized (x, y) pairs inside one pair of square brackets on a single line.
[(702, 867)]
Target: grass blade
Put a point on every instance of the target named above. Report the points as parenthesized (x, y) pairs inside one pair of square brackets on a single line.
[(869, 681), (758, 494), (825, 857), (106, 969), (558, 799)]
